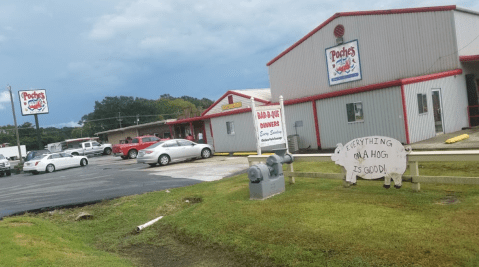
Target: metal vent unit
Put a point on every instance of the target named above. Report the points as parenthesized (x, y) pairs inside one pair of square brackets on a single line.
[(293, 143)]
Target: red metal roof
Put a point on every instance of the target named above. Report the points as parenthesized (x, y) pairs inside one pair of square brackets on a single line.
[(362, 13)]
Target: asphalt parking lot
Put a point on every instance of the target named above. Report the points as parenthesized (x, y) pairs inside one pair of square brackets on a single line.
[(107, 177)]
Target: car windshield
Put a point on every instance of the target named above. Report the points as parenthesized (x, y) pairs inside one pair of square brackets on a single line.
[(156, 144), (2, 157)]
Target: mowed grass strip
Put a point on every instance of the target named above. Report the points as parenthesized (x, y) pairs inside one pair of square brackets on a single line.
[(316, 222)]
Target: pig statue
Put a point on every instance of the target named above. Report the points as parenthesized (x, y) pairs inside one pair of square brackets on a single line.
[(373, 157)]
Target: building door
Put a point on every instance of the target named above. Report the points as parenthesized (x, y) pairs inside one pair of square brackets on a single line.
[(437, 110)]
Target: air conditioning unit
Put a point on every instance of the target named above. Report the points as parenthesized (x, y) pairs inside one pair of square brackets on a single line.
[(293, 143)]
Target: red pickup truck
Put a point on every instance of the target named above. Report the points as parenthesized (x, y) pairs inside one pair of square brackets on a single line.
[(130, 150)]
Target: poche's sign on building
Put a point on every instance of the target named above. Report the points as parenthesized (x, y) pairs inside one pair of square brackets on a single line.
[(33, 102), (343, 63)]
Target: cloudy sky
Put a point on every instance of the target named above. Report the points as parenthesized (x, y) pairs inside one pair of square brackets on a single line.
[(82, 51)]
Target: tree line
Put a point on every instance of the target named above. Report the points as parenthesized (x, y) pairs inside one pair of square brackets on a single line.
[(108, 114)]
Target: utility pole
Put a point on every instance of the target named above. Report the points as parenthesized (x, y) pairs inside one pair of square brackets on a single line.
[(119, 118), (16, 127)]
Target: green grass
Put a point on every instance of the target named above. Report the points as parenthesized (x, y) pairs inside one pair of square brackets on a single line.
[(316, 222)]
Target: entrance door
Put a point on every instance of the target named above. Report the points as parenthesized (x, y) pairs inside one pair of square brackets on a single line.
[(437, 110)]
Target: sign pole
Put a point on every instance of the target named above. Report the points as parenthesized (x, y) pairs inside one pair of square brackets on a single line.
[(255, 122), (283, 120), (16, 127), (39, 140)]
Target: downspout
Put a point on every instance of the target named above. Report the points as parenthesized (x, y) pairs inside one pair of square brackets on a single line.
[(316, 124), (406, 127)]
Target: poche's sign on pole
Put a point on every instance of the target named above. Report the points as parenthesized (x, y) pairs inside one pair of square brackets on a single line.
[(270, 125), (33, 102)]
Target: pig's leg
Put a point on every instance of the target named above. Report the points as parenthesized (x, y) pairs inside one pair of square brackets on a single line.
[(397, 180), (387, 181)]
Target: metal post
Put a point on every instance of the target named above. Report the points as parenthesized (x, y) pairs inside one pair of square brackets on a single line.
[(39, 138), (16, 127), (255, 122), (283, 121)]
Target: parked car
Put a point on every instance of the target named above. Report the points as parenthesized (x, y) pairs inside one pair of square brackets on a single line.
[(167, 151), (130, 150), (54, 161), (4, 166), (90, 148)]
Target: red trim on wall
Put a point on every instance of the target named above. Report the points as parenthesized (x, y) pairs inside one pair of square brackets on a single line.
[(232, 93), (233, 112), (431, 76), (469, 58), (362, 13), (404, 110), (316, 124)]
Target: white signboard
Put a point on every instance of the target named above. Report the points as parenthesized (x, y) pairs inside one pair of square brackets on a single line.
[(33, 102), (343, 63), (269, 125), (373, 157)]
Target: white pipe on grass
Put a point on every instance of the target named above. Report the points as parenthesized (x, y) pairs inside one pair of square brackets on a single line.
[(143, 226)]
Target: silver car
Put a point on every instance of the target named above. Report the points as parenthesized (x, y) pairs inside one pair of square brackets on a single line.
[(167, 151)]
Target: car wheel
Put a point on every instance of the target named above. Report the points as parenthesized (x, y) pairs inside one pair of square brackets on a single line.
[(75, 154), (50, 168), (9, 173), (205, 153), (83, 162), (124, 157), (107, 151), (152, 164), (164, 160), (132, 154)]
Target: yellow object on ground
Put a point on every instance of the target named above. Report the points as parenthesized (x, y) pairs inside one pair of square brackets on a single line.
[(457, 138)]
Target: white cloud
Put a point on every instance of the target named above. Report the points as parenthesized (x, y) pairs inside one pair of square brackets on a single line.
[(65, 124), (4, 99)]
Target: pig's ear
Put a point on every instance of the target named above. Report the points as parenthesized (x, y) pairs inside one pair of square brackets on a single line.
[(339, 145)]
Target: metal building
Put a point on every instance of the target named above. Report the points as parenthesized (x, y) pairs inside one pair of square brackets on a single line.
[(407, 73), (228, 123)]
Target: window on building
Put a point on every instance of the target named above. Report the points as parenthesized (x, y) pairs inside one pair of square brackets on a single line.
[(422, 103), (355, 112), (230, 99), (230, 127)]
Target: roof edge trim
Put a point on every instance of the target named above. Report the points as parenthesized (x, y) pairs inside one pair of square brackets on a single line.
[(364, 13)]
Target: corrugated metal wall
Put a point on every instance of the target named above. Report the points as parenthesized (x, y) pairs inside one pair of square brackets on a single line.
[(307, 133), (244, 138), (390, 47), (383, 115), (467, 28), (454, 105)]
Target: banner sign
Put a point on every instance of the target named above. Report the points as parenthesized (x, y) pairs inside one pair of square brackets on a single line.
[(33, 102), (232, 106), (270, 126), (343, 63)]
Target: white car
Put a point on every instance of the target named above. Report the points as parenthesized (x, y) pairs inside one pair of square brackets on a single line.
[(54, 161), (167, 151)]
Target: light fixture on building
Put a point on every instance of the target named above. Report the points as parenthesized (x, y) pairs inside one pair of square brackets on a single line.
[(339, 32)]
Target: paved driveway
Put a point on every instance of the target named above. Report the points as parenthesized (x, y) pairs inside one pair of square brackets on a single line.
[(105, 178)]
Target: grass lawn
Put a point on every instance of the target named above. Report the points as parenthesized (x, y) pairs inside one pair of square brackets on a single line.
[(316, 222)]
